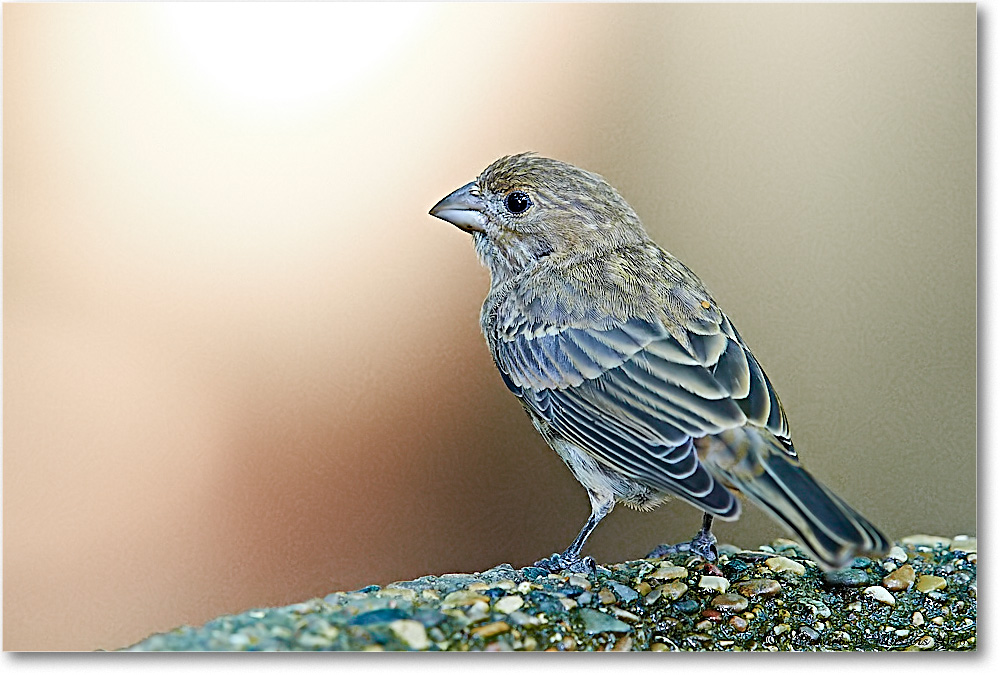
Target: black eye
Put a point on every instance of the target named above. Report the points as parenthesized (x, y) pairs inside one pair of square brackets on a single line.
[(517, 202)]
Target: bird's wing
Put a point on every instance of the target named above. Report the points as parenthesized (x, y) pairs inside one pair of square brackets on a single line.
[(634, 394)]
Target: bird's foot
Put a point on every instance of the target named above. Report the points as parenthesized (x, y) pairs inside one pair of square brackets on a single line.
[(702, 545), (560, 562)]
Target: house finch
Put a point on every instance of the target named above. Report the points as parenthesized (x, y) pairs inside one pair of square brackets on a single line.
[(627, 366)]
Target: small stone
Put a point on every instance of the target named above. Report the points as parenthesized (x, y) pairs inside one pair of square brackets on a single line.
[(880, 594), (717, 584), (671, 591), (937, 620), (965, 543), (652, 596), (595, 622), (478, 586), (568, 603), (918, 619), (394, 592), (925, 540), (852, 578), (782, 564), (781, 628), (478, 611), (643, 588), (623, 644), (808, 634), (462, 598), (658, 647), (901, 579), (411, 633), (738, 623), (668, 571), (703, 626), (730, 602), (889, 566), (491, 629), (579, 582), (523, 618), (688, 606), (524, 587), (509, 603), (928, 582), (757, 588), (505, 584), (626, 615), (902, 632), (623, 592), (897, 553), (606, 597)]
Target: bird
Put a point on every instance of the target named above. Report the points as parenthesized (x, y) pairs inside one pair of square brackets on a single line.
[(629, 369)]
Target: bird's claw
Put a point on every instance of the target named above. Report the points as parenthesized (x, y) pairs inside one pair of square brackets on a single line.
[(702, 545), (559, 562)]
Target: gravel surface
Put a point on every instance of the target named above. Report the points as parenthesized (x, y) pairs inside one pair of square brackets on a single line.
[(921, 596)]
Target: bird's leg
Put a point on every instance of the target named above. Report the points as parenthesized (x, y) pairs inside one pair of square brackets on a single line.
[(703, 543), (570, 560)]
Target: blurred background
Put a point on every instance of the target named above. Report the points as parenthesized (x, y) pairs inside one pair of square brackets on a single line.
[(243, 367)]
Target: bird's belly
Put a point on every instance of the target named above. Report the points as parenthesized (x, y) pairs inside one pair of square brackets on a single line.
[(600, 479)]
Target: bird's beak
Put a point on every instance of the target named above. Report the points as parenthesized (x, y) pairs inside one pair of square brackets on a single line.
[(464, 208)]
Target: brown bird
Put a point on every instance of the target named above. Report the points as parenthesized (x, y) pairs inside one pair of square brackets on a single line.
[(627, 366)]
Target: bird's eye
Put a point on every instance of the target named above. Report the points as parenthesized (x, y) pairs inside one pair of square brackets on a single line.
[(517, 202)]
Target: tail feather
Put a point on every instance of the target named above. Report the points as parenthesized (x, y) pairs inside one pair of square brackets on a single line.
[(831, 530)]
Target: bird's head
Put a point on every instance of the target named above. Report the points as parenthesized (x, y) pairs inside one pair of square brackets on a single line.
[(524, 208)]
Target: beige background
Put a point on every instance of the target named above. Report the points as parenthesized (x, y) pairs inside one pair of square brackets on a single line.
[(242, 366)]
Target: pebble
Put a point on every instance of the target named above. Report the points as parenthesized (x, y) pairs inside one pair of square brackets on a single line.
[(918, 619), (929, 582), (900, 579), (623, 644), (781, 628), (925, 540), (595, 622), (411, 633), (717, 584), (568, 603), (462, 598), (730, 602), (673, 590), (808, 634), (782, 564), (652, 596), (579, 582), (478, 586), (668, 571), (898, 554), (757, 588), (643, 588), (624, 593), (687, 606), (523, 618), (509, 603), (965, 543), (926, 642), (738, 623), (852, 578), (658, 647), (606, 597), (625, 614), (491, 629), (880, 594)]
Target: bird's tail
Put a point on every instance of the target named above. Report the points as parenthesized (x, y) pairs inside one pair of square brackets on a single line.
[(773, 479)]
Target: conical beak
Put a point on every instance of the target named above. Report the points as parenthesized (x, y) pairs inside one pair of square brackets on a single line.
[(464, 208)]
